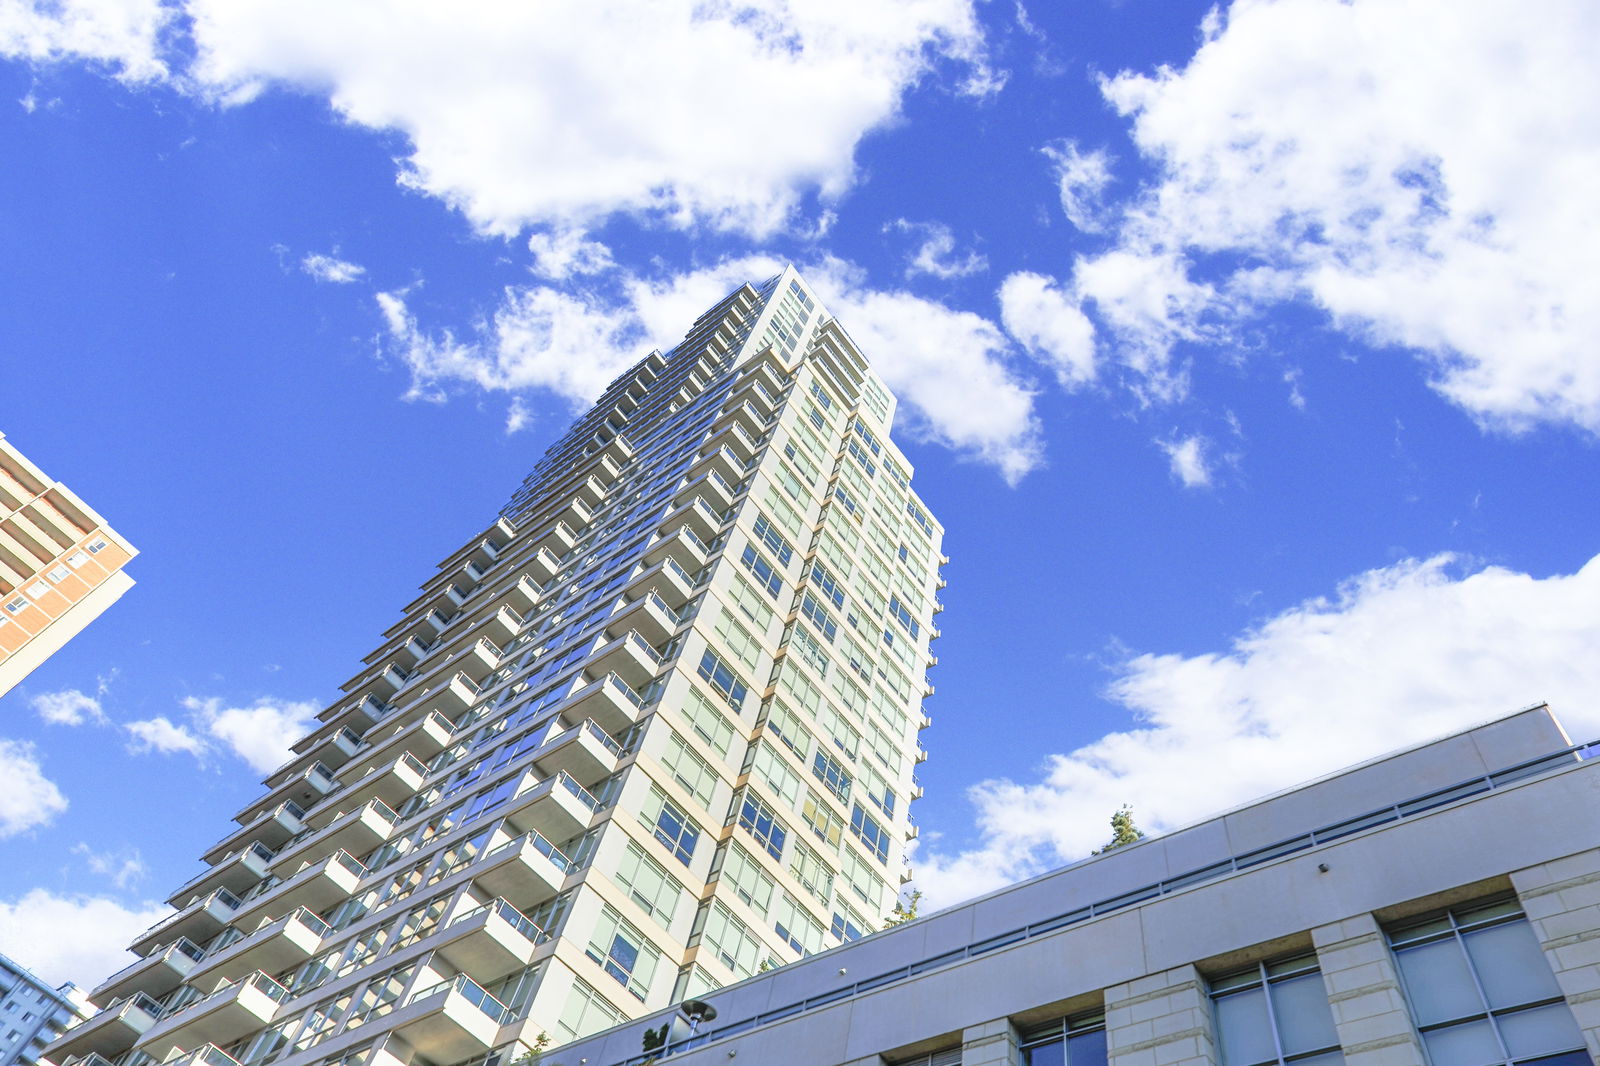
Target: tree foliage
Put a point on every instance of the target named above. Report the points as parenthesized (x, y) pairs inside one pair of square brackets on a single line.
[(904, 910), (1123, 830)]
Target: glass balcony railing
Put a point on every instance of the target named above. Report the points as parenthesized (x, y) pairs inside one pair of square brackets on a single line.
[(584, 796), (472, 992), (537, 841), (513, 917)]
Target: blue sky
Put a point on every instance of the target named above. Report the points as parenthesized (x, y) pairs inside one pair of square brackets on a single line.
[(1248, 355)]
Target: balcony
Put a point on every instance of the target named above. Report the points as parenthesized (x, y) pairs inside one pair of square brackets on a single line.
[(273, 829), (449, 696), (155, 975), (206, 1055), (365, 713), (559, 538), (453, 1020), (238, 872), (649, 616), (490, 941), (357, 831), (221, 1018), (316, 888), (697, 515), (710, 487), (682, 545), (303, 789), (734, 437), (380, 681), (273, 948), (199, 921), (667, 579), (542, 565), (445, 600), (610, 701), (526, 871), (336, 749), (629, 656), (576, 514), (722, 460), (743, 415), (556, 808), (393, 783), (109, 1033), (523, 595), (591, 490), (584, 751), (500, 626), (424, 738)]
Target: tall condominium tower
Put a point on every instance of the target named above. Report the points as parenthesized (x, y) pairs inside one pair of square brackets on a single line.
[(60, 566), (32, 1013), (651, 733)]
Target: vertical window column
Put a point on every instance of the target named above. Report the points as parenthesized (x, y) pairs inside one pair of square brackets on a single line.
[(1275, 1013)]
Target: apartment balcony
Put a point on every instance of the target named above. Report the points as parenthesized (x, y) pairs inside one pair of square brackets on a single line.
[(450, 1021), (584, 751), (611, 702), (356, 831), (381, 681), (576, 514), (424, 738), (199, 921), (316, 888), (273, 948), (667, 579), (336, 749), (736, 439), (205, 1055), (559, 538), (477, 659), (500, 626), (683, 546), (238, 872), (274, 828), (109, 1033), (393, 783), (444, 599), (752, 391), (364, 713), (221, 1018), (523, 595), (591, 490), (526, 871), (303, 789), (449, 696), (629, 656), (542, 565), (649, 616), (762, 372), (712, 487), (490, 941), (698, 516), (743, 415), (557, 808), (722, 460), (155, 975)]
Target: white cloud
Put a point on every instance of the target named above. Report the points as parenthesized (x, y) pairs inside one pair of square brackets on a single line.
[(1150, 303), (161, 734), (1187, 456), (125, 869), (567, 111), (73, 937), (562, 253), (260, 734), (1398, 655), (1049, 323), (935, 255), (69, 707), (29, 799), (123, 34), (331, 268), (1424, 180), (948, 367), (1083, 178)]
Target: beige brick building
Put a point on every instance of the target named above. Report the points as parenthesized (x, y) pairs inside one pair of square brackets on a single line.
[(60, 566)]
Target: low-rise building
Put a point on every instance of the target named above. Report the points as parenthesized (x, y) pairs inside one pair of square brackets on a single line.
[(1439, 906)]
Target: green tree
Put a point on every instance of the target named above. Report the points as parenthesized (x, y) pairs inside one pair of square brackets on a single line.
[(1123, 831), (904, 910)]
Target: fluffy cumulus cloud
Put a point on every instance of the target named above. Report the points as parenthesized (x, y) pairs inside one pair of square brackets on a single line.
[(1423, 180), (1189, 460), (1083, 177), (951, 369), (69, 707), (571, 110), (72, 937), (1396, 656), (331, 269), (29, 799), (259, 734), (123, 35), (935, 253), (163, 736), (124, 868), (1050, 324)]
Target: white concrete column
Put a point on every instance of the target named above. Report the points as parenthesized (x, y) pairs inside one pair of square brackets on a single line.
[(990, 1044), (1369, 1007), (1562, 900), (1163, 1019)]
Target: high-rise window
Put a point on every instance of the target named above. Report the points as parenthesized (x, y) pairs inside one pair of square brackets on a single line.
[(1078, 1040), (1480, 990), (1275, 1012)]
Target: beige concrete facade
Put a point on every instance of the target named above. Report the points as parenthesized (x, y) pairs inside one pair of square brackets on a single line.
[(1134, 938), (60, 566)]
